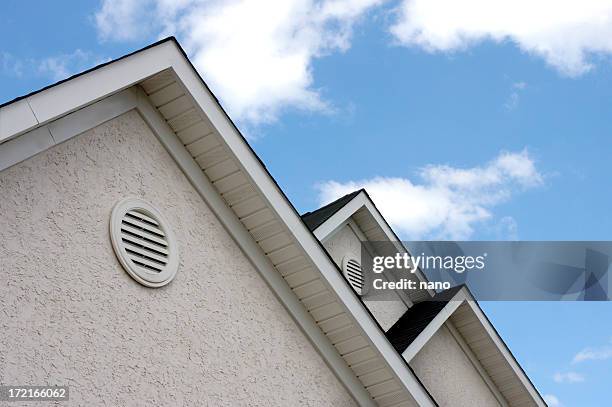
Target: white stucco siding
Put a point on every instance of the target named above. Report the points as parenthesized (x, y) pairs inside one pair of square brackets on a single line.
[(449, 375), (346, 242), (70, 315)]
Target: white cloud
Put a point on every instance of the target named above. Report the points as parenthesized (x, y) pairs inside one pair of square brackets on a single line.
[(256, 55), (9, 65), (552, 400), (62, 66), (506, 229), (125, 20), (54, 67), (565, 33), (519, 85), (601, 353), (449, 201), (514, 98), (568, 377)]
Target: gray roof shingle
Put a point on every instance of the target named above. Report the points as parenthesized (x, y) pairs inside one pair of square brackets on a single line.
[(416, 319), (316, 218)]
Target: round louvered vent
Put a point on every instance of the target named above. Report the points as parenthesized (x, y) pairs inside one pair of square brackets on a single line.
[(143, 242), (351, 268)]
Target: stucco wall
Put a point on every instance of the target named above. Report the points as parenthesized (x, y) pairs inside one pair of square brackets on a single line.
[(70, 315), (344, 242), (449, 375)]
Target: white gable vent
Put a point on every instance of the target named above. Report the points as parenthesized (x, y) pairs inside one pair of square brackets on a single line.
[(143, 242), (351, 268)]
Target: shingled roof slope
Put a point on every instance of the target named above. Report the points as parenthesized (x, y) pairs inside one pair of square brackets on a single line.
[(416, 319), (316, 218)]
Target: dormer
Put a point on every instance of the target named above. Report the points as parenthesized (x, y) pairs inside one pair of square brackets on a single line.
[(346, 228), (445, 337)]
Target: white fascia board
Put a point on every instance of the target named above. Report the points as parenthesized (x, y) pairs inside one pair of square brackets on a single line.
[(45, 136), (434, 326), (331, 225), (328, 228), (91, 116), (503, 349), (476, 363), (25, 146), (334, 223), (95, 85), (82, 90), (463, 296), (16, 118), (350, 223), (325, 230)]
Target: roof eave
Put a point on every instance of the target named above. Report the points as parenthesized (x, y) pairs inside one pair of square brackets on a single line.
[(463, 301), (43, 108), (362, 203), (30, 111)]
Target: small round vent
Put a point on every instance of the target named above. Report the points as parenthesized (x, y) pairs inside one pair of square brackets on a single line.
[(143, 242), (351, 268)]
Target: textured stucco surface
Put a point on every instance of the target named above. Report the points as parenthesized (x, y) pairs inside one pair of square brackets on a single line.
[(449, 375), (345, 242), (70, 315)]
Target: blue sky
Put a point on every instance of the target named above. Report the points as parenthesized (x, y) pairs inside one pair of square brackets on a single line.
[(492, 125)]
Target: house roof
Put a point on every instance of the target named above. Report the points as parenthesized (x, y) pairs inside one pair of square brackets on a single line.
[(457, 310), (359, 207), (317, 217), (417, 318), (162, 84), (455, 305), (34, 92)]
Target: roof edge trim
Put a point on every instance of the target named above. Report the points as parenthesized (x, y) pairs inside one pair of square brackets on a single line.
[(30, 111), (464, 296)]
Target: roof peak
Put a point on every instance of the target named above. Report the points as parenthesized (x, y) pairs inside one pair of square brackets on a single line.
[(34, 92), (317, 217)]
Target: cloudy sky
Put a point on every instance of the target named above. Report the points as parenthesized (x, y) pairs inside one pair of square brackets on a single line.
[(464, 120)]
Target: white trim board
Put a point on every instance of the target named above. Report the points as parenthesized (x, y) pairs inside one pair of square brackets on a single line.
[(433, 327), (501, 346), (441, 321), (48, 135), (474, 361), (79, 91), (358, 234), (462, 297), (335, 222)]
